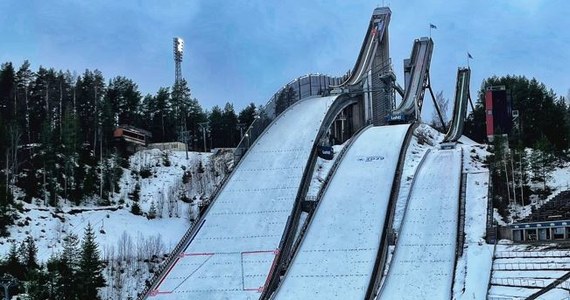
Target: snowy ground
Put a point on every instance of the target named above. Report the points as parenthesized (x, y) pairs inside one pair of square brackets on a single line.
[(424, 138), (120, 234), (423, 262), (473, 268), (338, 252), (231, 256)]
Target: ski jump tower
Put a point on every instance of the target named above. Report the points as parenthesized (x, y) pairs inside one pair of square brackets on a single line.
[(372, 75), (382, 77)]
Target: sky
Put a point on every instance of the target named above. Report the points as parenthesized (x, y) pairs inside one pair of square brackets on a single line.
[(244, 51)]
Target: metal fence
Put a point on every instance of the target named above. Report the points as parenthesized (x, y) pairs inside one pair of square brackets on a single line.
[(304, 86), (520, 282), (531, 266), (524, 254)]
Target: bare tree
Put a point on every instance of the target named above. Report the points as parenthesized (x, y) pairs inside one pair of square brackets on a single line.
[(443, 104), (15, 134), (160, 204)]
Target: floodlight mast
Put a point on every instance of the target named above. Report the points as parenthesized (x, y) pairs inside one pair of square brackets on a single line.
[(178, 44), (178, 47)]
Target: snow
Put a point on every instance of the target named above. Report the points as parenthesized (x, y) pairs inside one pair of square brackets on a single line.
[(232, 254), (521, 270), (323, 167), (115, 225), (48, 230), (338, 252), (424, 259), (472, 278), (414, 155)]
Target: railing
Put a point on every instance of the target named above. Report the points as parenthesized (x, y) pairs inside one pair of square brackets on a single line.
[(304, 86), (490, 210), (531, 266), (460, 220), (519, 282), (492, 258), (170, 260), (525, 254), (461, 227), (552, 285)]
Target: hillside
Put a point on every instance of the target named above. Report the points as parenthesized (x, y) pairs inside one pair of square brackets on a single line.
[(168, 181)]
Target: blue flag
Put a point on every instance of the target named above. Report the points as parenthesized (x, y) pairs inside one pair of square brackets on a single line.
[(432, 26), (469, 55)]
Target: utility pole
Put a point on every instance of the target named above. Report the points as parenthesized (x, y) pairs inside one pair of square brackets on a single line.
[(241, 127), (186, 136), (513, 173), (204, 126), (101, 162)]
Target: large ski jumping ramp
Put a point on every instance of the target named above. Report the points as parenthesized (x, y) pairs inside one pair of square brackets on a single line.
[(337, 254), (424, 260), (233, 253)]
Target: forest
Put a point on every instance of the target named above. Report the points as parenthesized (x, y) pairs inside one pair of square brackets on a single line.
[(522, 161), (56, 145), (56, 131)]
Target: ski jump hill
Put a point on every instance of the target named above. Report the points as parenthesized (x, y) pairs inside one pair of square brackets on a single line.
[(262, 238)]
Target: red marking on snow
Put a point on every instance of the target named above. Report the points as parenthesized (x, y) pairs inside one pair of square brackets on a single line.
[(157, 292), (273, 267), (199, 254), (276, 253), (259, 251), (167, 272)]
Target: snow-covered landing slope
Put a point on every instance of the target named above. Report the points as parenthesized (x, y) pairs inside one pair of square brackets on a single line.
[(337, 256), (423, 263), (232, 254)]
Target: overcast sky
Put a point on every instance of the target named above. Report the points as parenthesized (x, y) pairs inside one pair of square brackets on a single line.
[(243, 51)]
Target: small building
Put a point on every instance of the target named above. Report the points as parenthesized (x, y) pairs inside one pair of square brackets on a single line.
[(174, 146), (538, 231), (131, 139)]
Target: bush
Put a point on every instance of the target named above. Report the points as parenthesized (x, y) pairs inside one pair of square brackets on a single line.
[(145, 173), (165, 160), (136, 209)]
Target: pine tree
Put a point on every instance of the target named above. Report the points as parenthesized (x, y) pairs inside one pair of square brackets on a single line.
[(24, 77), (216, 121), (124, 97), (39, 284), (90, 275), (230, 131), (152, 211), (67, 268), (247, 115), (196, 115), (13, 263), (28, 252), (136, 209)]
